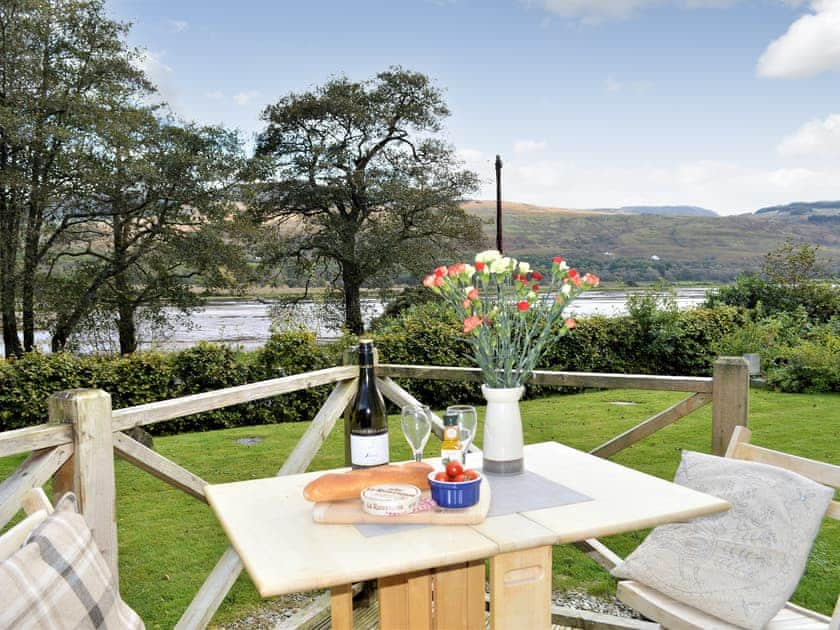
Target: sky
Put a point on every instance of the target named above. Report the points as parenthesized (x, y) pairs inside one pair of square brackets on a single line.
[(727, 104)]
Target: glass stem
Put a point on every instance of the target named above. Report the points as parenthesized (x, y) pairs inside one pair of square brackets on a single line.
[(418, 456)]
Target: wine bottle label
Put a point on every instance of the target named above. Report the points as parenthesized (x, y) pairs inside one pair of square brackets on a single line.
[(369, 450)]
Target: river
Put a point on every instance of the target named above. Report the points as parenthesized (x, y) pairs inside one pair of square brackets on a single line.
[(248, 324)]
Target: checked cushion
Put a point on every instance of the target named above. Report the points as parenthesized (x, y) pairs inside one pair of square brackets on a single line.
[(59, 579)]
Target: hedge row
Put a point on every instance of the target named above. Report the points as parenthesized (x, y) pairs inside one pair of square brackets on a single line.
[(649, 341), (659, 342), (27, 383)]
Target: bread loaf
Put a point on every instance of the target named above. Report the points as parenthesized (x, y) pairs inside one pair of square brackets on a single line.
[(349, 485)]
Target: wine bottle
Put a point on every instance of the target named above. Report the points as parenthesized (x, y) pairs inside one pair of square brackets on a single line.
[(368, 420)]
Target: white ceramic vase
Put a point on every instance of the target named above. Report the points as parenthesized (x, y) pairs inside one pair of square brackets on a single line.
[(503, 431)]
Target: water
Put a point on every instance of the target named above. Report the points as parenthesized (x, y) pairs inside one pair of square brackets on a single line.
[(248, 324)]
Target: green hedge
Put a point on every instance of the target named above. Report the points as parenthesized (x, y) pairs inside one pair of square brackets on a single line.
[(680, 343), (27, 383)]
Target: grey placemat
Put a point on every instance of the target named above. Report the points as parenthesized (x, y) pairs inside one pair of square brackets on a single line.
[(509, 494)]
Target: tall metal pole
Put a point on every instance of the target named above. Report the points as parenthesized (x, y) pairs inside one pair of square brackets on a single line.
[(499, 203)]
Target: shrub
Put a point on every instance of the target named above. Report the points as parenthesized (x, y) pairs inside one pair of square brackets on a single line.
[(26, 383), (821, 301), (811, 367)]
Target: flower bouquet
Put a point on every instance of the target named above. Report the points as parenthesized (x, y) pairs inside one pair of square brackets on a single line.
[(509, 313)]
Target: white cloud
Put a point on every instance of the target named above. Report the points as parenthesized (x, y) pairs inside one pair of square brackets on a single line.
[(595, 11), (816, 138), (612, 85), (810, 46), (215, 95), (529, 146), (161, 75), (722, 186), (245, 98), (177, 26)]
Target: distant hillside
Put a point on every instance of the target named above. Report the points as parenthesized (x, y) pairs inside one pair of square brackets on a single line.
[(669, 211), (642, 247), (818, 212)]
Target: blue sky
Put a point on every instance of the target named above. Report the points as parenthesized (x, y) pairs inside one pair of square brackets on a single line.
[(728, 104)]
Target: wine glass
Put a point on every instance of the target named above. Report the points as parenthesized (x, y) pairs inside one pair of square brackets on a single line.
[(467, 423), (416, 426)]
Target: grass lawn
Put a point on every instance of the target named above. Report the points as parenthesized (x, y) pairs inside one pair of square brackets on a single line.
[(169, 542)]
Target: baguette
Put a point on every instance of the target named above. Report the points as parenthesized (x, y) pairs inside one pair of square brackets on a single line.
[(349, 485)]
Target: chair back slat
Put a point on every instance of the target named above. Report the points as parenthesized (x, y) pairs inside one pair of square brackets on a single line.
[(13, 539), (821, 472)]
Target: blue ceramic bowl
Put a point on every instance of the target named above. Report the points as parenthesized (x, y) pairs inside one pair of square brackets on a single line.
[(454, 494)]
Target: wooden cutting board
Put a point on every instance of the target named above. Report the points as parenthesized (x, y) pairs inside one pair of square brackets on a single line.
[(350, 511)]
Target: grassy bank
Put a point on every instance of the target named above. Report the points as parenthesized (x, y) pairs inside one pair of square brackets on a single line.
[(169, 542)]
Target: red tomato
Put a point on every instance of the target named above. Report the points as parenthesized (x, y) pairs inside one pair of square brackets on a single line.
[(441, 476), (470, 475), (453, 469), (459, 478)]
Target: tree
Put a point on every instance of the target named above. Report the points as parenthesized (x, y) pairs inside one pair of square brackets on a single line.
[(159, 195), (63, 63), (349, 185)]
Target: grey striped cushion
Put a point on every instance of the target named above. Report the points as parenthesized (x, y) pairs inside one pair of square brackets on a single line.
[(59, 579)]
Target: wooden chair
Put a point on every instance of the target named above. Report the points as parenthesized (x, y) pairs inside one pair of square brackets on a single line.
[(37, 507), (674, 615)]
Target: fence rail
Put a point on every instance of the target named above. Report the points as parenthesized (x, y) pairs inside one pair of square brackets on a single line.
[(77, 445)]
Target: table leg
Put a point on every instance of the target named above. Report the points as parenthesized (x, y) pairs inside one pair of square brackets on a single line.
[(405, 601), (520, 589), (341, 607), (459, 596)]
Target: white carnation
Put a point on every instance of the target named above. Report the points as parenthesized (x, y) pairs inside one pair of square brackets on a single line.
[(502, 265), (566, 289), (524, 267), (487, 256), (562, 266)]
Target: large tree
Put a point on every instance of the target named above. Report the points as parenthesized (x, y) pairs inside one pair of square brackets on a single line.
[(63, 63), (357, 183), (159, 198)]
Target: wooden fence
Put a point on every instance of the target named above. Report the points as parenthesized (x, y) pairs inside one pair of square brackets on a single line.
[(75, 448)]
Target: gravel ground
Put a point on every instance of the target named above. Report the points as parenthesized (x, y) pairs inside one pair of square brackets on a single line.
[(280, 612)]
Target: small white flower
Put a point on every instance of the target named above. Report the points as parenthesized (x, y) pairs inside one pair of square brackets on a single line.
[(487, 256), (524, 267), (562, 266), (531, 296), (469, 270), (501, 265), (566, 289)]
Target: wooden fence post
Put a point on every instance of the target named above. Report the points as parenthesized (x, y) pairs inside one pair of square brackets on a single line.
[(730, 400), (90, 472)]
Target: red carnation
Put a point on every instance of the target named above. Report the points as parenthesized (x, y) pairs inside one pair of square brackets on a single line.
[(479, 266), (536, 275), (523, 305), (557, 260)]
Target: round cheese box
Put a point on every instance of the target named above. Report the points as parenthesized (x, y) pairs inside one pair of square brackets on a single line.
[(390, 499)]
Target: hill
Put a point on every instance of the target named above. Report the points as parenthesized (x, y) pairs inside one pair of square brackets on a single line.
[(668, 211), (643, 247), (819, 212)]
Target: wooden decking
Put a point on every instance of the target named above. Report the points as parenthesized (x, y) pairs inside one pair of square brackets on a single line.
[(368, 619)]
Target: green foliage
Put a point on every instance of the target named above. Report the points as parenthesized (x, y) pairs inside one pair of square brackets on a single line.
[(821, 301), (376, 192), (672, 343), (27, 383), (810, 367)]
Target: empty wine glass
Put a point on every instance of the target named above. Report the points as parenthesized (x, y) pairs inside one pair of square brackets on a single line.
[(416, 426), (467, 421)]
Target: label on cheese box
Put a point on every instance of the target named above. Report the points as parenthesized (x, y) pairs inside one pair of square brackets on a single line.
[(390, 499)]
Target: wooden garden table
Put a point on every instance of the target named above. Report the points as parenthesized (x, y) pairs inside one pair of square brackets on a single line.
[(270, 525)]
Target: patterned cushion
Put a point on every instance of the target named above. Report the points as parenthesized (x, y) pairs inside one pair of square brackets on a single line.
[(59, 579), (741, 565)]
